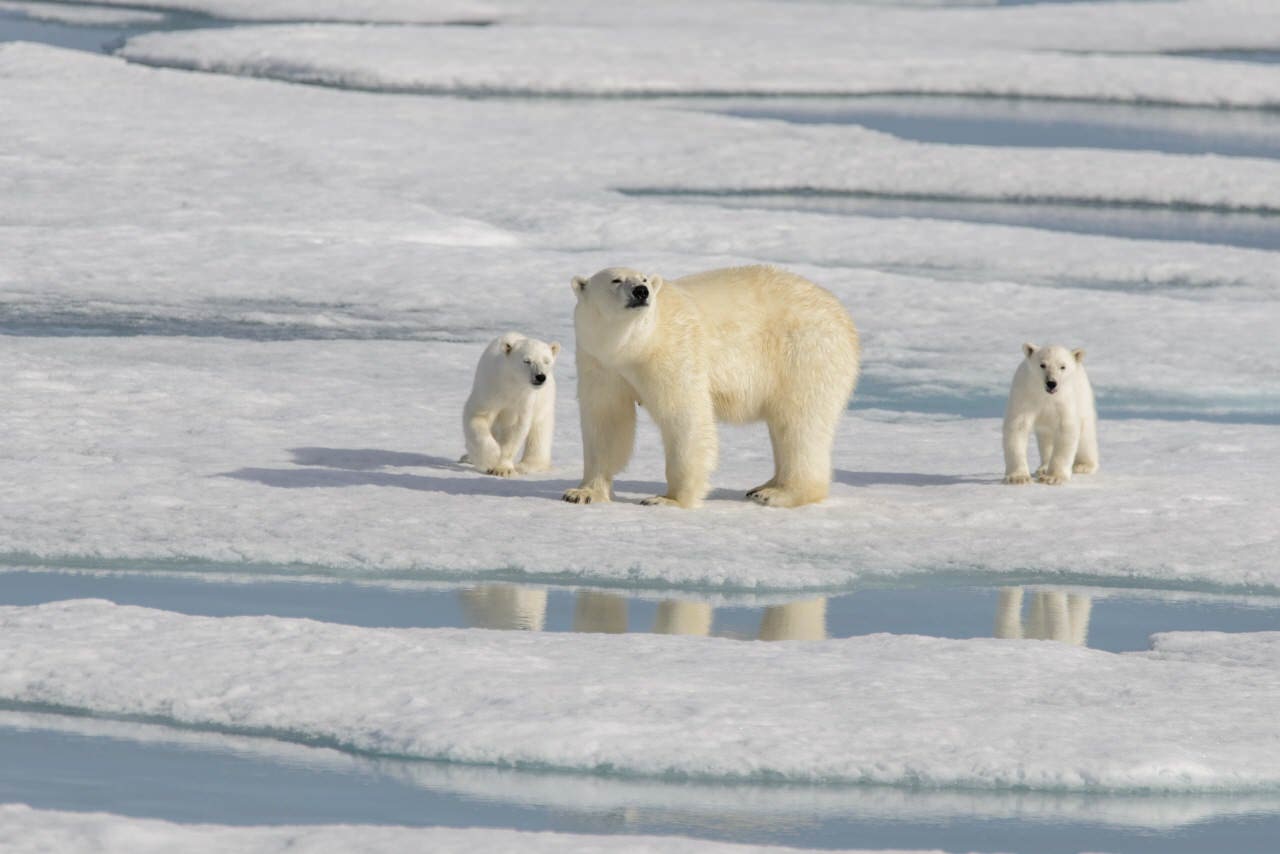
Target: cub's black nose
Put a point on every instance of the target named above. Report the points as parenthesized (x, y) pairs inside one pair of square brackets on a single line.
[(539, 379), (640, 293), (1051, 384)]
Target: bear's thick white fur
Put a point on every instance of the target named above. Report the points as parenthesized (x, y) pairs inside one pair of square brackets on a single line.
[(1051, 395), (738, 345), (512, 403)]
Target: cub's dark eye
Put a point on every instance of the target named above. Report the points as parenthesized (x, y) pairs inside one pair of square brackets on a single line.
[(1062, 367), (1042, 364), (616, 282)]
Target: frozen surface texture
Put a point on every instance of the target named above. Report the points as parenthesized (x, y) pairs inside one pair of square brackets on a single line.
[(999, 713)]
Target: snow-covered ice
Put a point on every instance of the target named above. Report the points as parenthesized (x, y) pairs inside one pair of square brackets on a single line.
[(997, 713)]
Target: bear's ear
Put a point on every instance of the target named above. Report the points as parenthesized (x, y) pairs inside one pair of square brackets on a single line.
[(579, 286), (555, 348), (1079, 354), (1028, 349), (655, 284), (509, 341)]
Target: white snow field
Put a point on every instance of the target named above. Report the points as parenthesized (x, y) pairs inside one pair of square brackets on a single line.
[(27, 831), (1047, 51), (997, 714), (239, 318)]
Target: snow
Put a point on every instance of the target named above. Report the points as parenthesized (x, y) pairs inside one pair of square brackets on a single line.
[(27, 831), (1059, 51), (999, 713), (86, 16)]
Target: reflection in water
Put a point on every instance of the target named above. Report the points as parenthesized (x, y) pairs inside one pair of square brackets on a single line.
[(505, 606), (510, 606), (1053, 615), (804, 620), (676, 617), (600, 612)]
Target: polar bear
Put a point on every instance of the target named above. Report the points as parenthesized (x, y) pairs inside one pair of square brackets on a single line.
[(738, 345), (512, 402), (1051, 394)]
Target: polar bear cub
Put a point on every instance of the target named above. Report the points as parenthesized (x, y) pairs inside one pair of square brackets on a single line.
[(739, 345), (512, 403), (1051, 395)]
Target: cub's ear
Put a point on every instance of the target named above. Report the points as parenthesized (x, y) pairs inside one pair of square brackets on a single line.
[(509, 341), (579, 286), (1028, 349), (555, 348), (1079, 354)]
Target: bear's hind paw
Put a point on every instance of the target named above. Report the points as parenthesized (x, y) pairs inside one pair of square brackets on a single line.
[(1017, 478), (501, 470), (579, 495), (1052, 479), (1084, 468)]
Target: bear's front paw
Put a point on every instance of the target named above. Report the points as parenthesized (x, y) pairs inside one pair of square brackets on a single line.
[(1018, 478), (502, 470), (659, 501), (1084, 468), (581, 495), (1052, 478), (1043, 470)]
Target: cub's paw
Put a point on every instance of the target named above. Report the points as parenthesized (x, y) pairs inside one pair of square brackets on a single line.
[(1084, 468), (580, 495), (502, 470), (1052, 479), (1017, 478)]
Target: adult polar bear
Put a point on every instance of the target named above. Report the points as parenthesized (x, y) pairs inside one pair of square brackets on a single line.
[(738, 345)]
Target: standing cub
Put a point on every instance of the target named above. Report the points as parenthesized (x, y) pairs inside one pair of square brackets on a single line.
[(512, 402), (1052, 395)]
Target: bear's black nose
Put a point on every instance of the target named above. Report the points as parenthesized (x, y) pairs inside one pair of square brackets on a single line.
[(639, 293), (1051, 384), (539, 379)]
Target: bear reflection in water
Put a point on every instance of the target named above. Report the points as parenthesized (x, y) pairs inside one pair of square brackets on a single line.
[(510, 606), (1050, 615), (1053, 615)]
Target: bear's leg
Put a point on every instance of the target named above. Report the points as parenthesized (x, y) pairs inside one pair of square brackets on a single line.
[(1087, 453), (801, 457), (510, 429), (483, 451), (1016, 432), (1044, 441), (690, 443), (607, 406), (1065, 444), (537, 448)]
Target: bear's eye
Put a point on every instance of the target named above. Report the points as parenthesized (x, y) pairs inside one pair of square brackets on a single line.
[(1042, 364), (1062, 367), (616, 282)]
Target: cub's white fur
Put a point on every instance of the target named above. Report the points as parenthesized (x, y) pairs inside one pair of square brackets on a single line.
[(738, 345), (512, 403), (1051, 395)]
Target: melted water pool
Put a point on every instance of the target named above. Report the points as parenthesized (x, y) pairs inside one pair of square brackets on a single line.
[(1117, 620)]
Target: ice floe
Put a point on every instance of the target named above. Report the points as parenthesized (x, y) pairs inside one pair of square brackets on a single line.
[(998, 713)]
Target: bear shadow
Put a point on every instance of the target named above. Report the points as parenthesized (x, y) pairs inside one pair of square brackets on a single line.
[(331, 468), (905, 478)]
